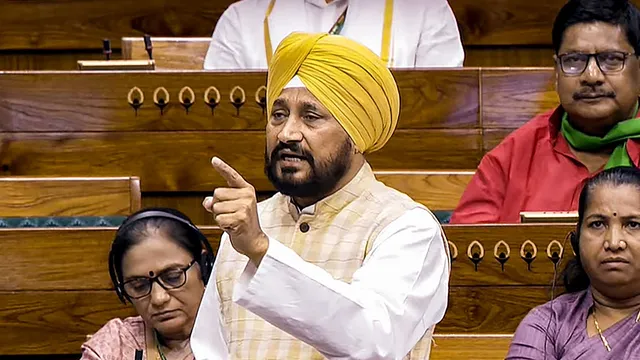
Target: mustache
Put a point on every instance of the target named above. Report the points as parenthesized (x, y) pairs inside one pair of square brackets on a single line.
[(292, 148), (591, 93)]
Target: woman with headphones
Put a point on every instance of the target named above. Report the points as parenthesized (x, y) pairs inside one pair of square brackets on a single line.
[(598, 317), (159, 262)]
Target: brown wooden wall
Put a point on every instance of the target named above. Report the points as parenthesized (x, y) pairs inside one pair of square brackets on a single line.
[(43, 34)]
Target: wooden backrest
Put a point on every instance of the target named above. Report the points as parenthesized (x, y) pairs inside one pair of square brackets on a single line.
[(57, 289), (470, 346), (449, 119), (169, 52), (494, 32), (437, 190), (53, 196), (441, 123)]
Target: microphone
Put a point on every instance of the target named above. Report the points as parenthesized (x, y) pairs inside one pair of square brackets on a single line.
[(148, 46), (106, 48)]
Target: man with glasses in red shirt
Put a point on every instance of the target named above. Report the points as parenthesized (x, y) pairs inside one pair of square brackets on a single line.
[(543, 165)]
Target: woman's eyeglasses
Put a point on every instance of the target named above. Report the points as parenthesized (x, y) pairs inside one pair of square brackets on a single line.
[(169, 279), (608, 62)]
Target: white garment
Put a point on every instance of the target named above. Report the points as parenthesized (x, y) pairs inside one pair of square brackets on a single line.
[(424, 33), (400, 291)]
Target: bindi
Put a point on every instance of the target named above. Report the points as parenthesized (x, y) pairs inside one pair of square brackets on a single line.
[(151, 272), (615, 214)]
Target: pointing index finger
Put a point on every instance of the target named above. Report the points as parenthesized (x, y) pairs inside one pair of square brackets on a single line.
[(233, 178)]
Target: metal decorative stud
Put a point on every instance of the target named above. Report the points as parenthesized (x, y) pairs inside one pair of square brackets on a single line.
[(528, 255), (161, 100), (188, 100), (238, 98), (475, 257), (212, 97), (453, 251), (135, 98), (502, 256), (555, 254), (261, 99)]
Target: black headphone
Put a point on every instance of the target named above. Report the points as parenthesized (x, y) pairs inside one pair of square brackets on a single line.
[(574, 236), (206, 260)]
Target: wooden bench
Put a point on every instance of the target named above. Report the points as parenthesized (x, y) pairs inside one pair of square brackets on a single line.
[(470, 346), (494, 32), (189, 53), (57, 288), (169, 53), (449, 120), (53, 196), (437, 190)]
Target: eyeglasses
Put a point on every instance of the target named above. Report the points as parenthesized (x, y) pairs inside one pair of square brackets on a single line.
[(609, 62), (140, 287)]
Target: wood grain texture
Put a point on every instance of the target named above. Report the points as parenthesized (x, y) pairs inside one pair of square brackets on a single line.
[(78, 300), (492, 309), (61, 258), (516, 272), (97, 101), (507, 22), (52, 258), (508, 56), (189, 203), (54, 322), (492, 138), (81, 24), (46, 196), (179, 161), (57, 322), (511, 97), (438, 98), (470, 346), (499, 22), (27, 60), (437, 190), (169, 53)]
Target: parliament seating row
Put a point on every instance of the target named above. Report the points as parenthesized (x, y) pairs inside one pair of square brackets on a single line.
[(45, 36), (57, 288), (42, 196), (59, 202), (449, 120), (470, 346)]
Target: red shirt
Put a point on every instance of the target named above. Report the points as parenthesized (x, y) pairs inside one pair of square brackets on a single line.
[(532, 169)]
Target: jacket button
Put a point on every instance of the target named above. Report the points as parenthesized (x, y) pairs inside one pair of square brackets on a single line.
[(304, 227)]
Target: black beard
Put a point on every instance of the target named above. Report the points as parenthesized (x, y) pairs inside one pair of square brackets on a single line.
[(323, 176)]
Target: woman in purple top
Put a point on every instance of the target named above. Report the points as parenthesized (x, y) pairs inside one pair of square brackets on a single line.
[(598, 316)]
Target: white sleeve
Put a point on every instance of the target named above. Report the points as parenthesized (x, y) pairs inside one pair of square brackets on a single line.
[(226, 51), (440, 44), (394, 298), (208, 337)]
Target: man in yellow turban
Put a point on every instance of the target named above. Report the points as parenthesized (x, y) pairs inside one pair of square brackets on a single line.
[(335, 265)]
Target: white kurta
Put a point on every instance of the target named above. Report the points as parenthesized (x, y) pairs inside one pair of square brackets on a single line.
[(394, 298), (424, 33)]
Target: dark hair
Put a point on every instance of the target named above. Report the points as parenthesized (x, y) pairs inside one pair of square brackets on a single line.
[(615, 12), (174, 224), (574, 276)]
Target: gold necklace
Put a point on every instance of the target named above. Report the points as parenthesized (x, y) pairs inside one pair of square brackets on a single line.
[(604, 340)]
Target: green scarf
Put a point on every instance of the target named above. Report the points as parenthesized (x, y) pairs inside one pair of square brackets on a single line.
[(628, 129)]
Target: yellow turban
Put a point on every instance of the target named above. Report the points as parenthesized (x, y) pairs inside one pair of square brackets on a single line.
[(351, 81)]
